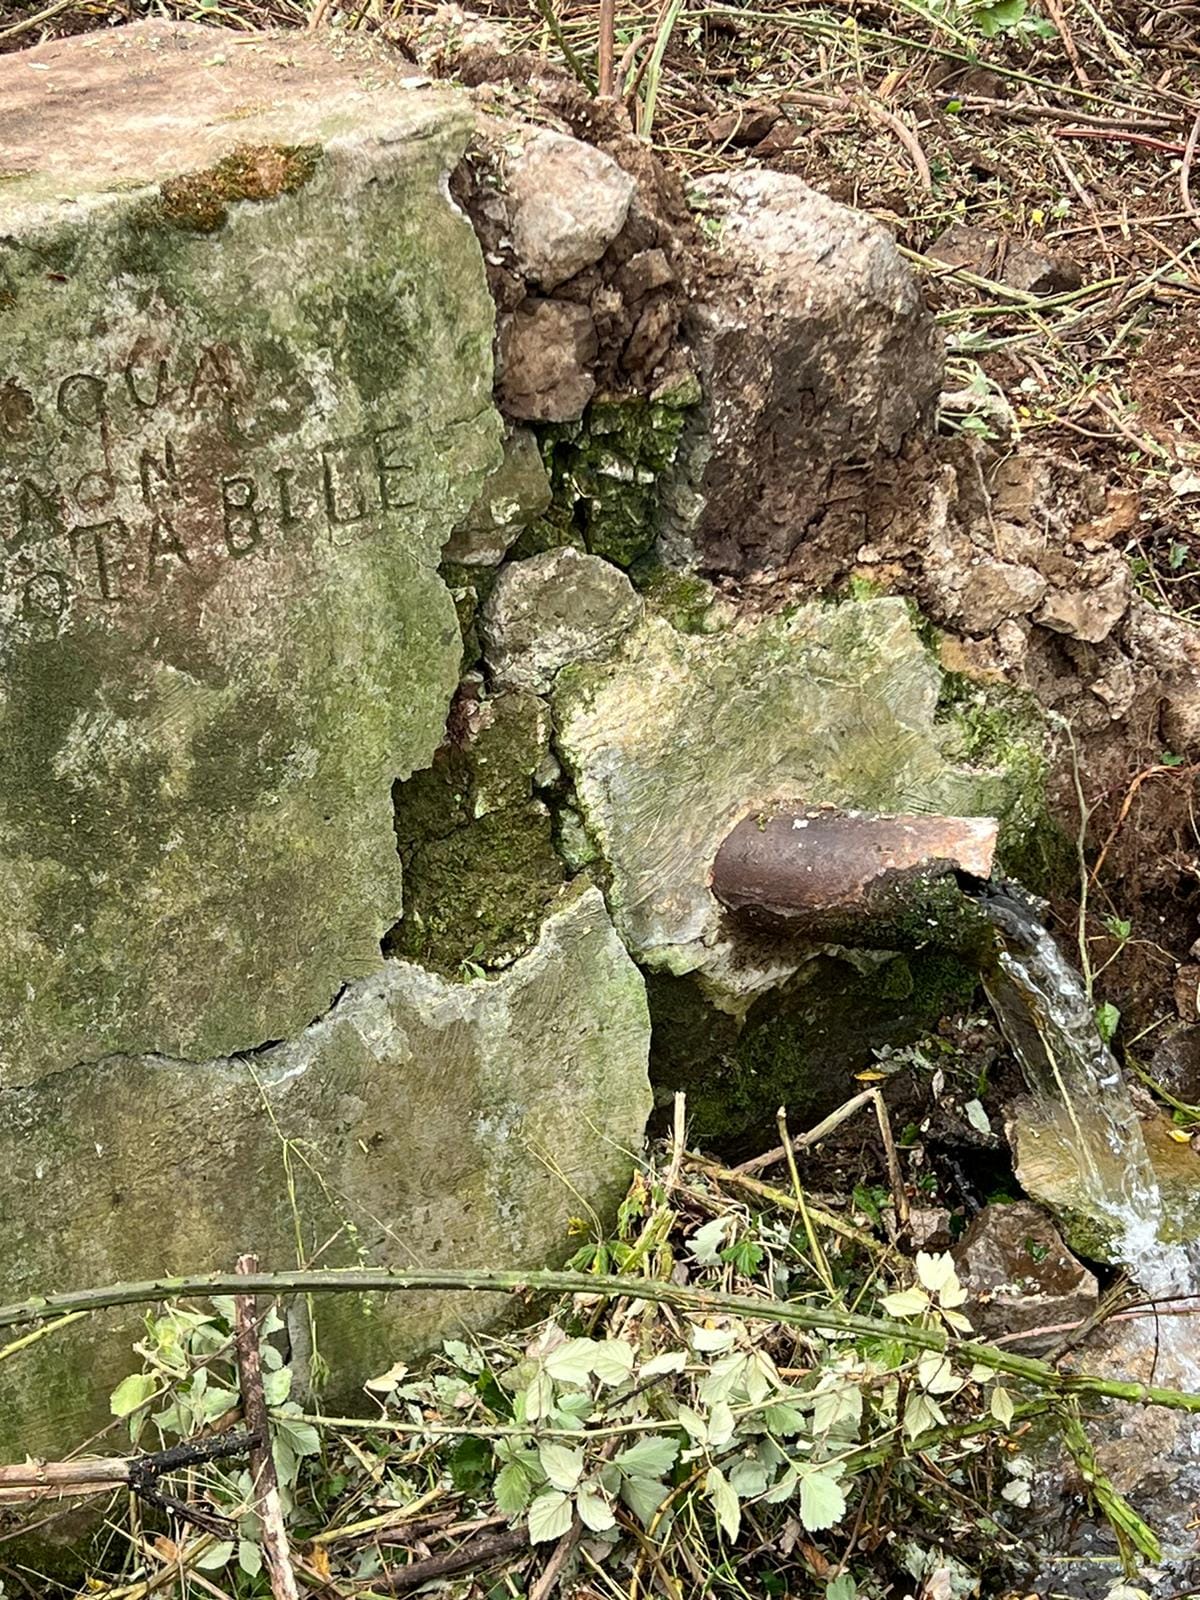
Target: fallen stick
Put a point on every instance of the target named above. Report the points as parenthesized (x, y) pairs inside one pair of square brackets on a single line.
[(267, 1503), (657, 1291), (35, 1480), (487, 1547)]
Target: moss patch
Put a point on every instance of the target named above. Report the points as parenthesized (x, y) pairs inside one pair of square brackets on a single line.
[(604, 474), (480, 867), (199, 202), (800, 1048)]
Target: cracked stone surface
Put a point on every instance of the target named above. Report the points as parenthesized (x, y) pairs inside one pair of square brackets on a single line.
[(678, 737), (221, 508), (451, 1124)]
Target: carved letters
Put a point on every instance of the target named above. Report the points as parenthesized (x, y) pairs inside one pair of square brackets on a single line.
[(160, 483)]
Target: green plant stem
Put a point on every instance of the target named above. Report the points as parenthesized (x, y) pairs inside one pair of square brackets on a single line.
[(821, 1319), (546, 8)]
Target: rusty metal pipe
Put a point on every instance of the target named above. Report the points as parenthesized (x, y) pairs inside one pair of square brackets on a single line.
[(849, 877)]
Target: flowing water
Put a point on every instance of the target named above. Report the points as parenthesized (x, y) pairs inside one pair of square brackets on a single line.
[(1049, 1021)]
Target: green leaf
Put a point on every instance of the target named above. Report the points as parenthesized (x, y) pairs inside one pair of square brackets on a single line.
[(921, 1413), (643, 1496), (669, 1361), (724, 1502), (1002, 1406), (216, 1556), (612, 1361), (511, 1490), (549, 1517), (216, 1402), (132, 1393), (301, 1437), (562, 1465), (708, 1241), (1108, 1020), (784, 1420), (842, 1587), (249, 1557), (651, 1457), (470, 1465), (571, 1362), (822, 1503), (277, 1385), (834, 1403), (594, 1510)]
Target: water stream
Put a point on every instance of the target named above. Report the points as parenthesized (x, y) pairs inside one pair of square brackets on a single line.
[(1048, 1018)]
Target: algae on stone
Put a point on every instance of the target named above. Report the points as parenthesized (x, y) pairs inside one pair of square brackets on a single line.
[(429, 1122), (230, 456)]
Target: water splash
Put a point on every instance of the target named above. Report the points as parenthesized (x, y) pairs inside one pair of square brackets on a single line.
[(1047, 1016)]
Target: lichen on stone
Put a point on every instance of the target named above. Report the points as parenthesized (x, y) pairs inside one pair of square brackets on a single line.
[(198, 202)]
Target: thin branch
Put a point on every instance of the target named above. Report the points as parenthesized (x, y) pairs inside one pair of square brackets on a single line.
[(794, 1314), (262, 1463)]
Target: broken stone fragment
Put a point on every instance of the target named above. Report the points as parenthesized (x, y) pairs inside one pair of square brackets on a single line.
[(567, 202), (677, 737), (1020, 1275), (814, 349), (447, 1123), (558, 607), (516, 492), (545, 352), (1088, 614), (1030, 268), (993, 591), (222, 631)]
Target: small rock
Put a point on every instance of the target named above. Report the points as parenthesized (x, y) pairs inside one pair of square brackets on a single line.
[(1119, 517), (1030, 268), (1019, 1273), (556, 607), (643, 273), (1087, 614), (545, 350), (995, 590), (567, 203), (511, 497), (747, 125), (783, 136)]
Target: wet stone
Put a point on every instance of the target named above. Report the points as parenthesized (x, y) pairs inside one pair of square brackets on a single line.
[(224, 486)]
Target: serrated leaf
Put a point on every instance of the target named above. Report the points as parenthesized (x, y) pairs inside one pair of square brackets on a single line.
[(784, 1420), (724, 1502), (905, 1302), (217, 1402), (693, 1423), (549, 1517), (643, 1496), (277, 1385), (957, 1320), (837, 1402), (249, 1557), (748, 1478), (723, 1377), (562, 1465), (301, 1437), (612, 1361), (843, 1587), (659, 1366), (131, 1393), (571, 1362), (594, 1510), (651, 1457), (1001, 1406), (822, 1503), (537, 1397), (511, 1490)]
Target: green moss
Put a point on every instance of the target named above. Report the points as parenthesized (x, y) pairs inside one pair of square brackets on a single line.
[(604, 472), (683, 599), (200, 201), (1001, 729), (800, 1048), (480, 867)]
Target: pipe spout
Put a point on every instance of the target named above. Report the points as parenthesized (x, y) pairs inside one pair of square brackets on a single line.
[(851, 877)]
